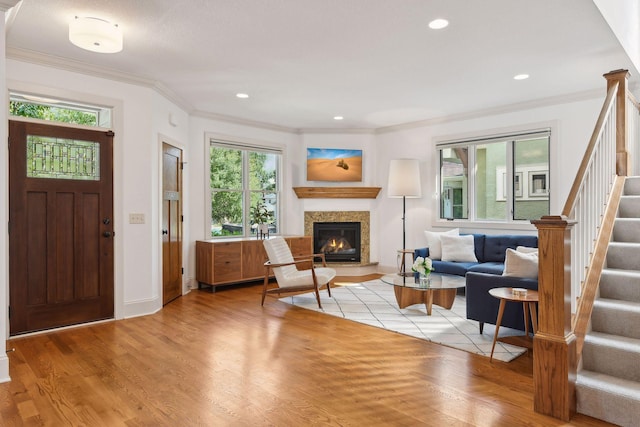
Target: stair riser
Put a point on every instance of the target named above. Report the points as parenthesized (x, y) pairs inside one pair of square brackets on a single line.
[(626, 230), (620, 287), (610, 407), (615, 322), (629, 207), (632, 186), (624, 257), (611, 361)]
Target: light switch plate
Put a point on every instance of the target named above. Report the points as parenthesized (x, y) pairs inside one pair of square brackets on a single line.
[(136, 218)]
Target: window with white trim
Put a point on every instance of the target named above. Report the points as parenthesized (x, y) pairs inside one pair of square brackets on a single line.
[(500, 178), (59, 110), (243, 180)]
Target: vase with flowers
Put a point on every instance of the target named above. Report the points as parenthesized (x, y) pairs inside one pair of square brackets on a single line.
[(424, 267)]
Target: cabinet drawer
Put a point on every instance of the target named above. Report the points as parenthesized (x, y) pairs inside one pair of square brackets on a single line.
[(227, 262)]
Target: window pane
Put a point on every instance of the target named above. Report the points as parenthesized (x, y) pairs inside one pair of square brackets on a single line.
[(453, 170), (226, 168), (226, 213), (262, 171), (62, 158), (531, 163), (491, 160)]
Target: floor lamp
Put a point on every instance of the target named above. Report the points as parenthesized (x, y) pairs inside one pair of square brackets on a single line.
[(404, 181)]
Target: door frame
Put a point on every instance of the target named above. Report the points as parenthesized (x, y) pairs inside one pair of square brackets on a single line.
[(186, 279), (117, 127)]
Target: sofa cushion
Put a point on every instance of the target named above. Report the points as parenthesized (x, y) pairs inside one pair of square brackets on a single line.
[(521, 264), (434, 244), (488, 267), (457, 268), (458, 248), (495, 246)]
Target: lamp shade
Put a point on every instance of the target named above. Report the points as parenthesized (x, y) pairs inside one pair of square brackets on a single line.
[(404, 178), (95, 34)]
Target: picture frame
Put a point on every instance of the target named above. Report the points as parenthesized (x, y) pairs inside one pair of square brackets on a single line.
[(538, 183), (334, 164)]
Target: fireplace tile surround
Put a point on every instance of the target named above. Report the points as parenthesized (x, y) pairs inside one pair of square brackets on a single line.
[(363, 217)]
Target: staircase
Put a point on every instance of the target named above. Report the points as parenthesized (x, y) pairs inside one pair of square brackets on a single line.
[(608, 384)]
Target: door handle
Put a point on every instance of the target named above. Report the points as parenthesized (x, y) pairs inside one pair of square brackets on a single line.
[(107, 234)]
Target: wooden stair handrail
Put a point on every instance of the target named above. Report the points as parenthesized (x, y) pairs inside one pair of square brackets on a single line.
[(594, 271), (609, 102)]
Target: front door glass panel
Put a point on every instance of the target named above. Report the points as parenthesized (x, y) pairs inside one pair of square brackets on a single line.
[(59, 158)]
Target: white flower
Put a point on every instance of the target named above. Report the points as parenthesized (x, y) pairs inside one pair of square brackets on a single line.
[(422, 265)]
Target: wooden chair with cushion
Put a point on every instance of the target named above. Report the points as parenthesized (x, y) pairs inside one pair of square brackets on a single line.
[(288, 277)]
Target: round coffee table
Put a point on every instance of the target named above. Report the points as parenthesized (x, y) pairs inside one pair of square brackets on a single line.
[(441, 290)]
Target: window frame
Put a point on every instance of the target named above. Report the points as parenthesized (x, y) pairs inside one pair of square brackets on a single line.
[(471, 142), (246, 148)]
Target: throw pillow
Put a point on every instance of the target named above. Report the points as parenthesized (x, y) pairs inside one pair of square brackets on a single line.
[(433, 241), (458, 248), (521, 264), (527, 249)]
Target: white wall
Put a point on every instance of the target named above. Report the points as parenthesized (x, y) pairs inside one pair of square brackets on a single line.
[(139, 117), (4, 211), (572, 124), (200, 130), (623, 17)]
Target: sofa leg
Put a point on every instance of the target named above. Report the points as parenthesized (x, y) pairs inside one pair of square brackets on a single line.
[(481, 325)]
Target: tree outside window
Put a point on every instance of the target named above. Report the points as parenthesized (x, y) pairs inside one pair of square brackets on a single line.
[(240, 180)]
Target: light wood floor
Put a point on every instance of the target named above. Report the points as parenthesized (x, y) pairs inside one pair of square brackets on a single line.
[(219, 359)]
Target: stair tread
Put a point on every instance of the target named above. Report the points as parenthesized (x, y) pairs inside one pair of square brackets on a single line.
[(608, 383), (613, 341), (617, 304)]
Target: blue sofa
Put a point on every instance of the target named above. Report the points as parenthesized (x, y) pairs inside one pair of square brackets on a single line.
[(486, 274)]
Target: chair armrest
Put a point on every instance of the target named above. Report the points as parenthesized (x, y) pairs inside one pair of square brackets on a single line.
[(295, 261)]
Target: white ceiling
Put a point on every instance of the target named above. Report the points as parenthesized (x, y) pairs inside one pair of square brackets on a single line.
[(302, 62)]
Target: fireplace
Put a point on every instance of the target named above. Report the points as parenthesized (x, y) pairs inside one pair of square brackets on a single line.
[(339, 241)]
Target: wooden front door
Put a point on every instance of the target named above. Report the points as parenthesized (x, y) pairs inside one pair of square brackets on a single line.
[(60, 226), (171, 223)]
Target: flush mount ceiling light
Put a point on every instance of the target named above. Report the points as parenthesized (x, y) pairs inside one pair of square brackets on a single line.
[(521, 77), (338, 118), (242, 95), (95, 34), (438, 24)]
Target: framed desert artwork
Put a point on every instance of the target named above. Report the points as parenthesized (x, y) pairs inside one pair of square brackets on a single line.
[(334, 164)]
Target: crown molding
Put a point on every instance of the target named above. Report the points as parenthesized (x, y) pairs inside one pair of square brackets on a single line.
[(244, 122), (510, 108), (71, 65), (307, 131)]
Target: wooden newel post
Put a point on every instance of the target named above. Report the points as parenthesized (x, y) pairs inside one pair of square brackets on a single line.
[(554, 345), (622, 154)]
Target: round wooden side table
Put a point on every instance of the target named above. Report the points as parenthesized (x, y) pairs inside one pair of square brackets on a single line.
[(528, 301)]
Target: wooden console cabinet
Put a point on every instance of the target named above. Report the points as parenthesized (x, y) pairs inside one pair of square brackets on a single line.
[(222, 262)]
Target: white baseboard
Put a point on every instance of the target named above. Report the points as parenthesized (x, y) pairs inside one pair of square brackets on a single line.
[(142, 307), (4, 369)]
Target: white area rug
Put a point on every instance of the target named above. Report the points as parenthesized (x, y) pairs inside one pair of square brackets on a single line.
[(374, 303)]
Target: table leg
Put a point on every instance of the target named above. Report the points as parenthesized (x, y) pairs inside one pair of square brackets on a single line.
[(498, 322), (428, 301), (525, 309), (534, 316)]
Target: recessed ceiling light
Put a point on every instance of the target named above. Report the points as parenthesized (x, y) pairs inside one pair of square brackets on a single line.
[(242, 95), (338, 118), (521, 77), (438, 24)]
